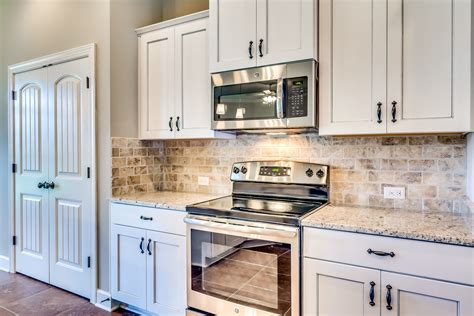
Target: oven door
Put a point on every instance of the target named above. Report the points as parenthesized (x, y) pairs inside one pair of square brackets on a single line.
[(249, 99), (242, 268)]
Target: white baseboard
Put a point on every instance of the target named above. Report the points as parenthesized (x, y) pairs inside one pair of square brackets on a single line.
[(105, 302), (4, 264)]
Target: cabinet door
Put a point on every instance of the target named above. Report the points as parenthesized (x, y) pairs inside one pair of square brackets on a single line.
[(233, 25), (428, 65), (414, 296), (286, 31), (166, 273), (352, 67), (193, 81), (156, 77), (128, 263), (338, 289)]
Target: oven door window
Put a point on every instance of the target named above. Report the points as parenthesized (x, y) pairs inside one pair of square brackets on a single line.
[(246, 271), (249, 101)]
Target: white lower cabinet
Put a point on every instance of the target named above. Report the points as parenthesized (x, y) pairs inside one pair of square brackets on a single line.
[(347, 287), (148, 266)]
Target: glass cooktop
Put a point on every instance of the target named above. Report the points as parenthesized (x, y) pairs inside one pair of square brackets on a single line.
[(260, 209)]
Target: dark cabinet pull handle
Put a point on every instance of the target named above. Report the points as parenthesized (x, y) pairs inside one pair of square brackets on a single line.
[(389, 297), (170, 124), (380, 253), (260, 47), (148, 247), (177, 123), (250, 49), (141, 245), (146, 218), (379, 112), (42, 185), (51, 186), (394, 111), (372, 293)]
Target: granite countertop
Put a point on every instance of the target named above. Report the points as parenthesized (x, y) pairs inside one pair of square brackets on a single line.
[(164, 199), (435, 226)]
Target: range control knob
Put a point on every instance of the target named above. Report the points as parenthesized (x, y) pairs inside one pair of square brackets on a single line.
[(243, 170), (320, 173), (309, 172), (236, 170)]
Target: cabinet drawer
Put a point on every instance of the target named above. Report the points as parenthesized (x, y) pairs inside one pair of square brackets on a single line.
[(163, 220), (438, 261)]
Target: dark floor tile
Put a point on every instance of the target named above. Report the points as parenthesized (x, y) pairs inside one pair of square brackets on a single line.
[(21, 287), (4, 312)]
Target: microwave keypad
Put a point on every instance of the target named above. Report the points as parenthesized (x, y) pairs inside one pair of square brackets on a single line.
[(297, 97)]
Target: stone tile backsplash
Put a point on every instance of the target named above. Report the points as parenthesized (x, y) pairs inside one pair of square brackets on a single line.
[(431, 168)]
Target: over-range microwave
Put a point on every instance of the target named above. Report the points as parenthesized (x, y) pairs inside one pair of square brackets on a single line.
[(278, 98)]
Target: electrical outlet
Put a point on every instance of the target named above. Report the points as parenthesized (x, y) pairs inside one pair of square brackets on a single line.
[(394, 193), (203, 180)]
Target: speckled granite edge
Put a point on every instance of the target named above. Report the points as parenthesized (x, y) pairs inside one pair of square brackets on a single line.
[(440, 227), (163, 199)]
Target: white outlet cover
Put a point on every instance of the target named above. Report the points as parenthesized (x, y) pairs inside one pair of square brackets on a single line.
[(394, 193), (203, 180)]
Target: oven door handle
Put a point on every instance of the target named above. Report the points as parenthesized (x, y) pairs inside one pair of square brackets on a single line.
[(234, 227), (280, 98)]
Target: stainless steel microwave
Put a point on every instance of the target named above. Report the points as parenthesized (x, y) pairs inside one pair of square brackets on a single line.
[(279, 98)]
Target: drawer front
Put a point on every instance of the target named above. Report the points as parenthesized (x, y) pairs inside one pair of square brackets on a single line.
[(438, 261), (163, 220)]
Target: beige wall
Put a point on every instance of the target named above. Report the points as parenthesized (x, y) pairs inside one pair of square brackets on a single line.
[(176, 8), (33, 28), (126, 16), (3, 148)]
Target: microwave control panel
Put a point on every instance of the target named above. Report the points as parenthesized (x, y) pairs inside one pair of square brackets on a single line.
[(297, 97)]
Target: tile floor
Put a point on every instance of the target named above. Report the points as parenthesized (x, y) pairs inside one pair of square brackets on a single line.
[(21, 295)]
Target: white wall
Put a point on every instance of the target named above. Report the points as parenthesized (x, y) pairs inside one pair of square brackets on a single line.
[(470, 166)]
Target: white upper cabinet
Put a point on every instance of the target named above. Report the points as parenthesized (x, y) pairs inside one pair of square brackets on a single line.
[(249, 33), (411, 57), (232, 34), (352, 67), (174, 80)]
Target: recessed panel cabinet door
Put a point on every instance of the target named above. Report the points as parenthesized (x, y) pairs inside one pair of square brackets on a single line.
[(339, 289), (156, 77), (31, 154), (166, 276), (414, 296), (233, 25), (352, 67), (70, 200), (428, 65), (128, 268), (286, 31)]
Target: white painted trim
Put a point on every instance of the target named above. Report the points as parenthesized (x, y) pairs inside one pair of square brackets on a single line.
[(173, 22), (470, 166), (105, 302), (86, 51), (4, 264)]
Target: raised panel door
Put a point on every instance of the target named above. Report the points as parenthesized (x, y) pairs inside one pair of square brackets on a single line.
[(338, 289), (415, 296), (286, 31), (156, 80), (352, 71), (31, 156), (428, 66), (166, 273), (233, 26), (128, 265)]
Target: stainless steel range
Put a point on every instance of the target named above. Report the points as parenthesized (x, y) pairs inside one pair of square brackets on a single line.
[(243, 250)]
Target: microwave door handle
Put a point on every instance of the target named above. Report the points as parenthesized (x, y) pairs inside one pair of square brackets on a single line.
[(280, 98)]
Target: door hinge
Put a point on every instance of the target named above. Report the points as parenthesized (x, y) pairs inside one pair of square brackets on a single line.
[(13, 95), (13, 167), (88, 262), (14, 240), (88, 172), (87, 82)]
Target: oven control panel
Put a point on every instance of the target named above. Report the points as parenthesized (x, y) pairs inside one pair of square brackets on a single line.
[(274, 171)]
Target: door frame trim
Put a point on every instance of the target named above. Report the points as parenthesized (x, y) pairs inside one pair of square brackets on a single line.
[(86, 51)]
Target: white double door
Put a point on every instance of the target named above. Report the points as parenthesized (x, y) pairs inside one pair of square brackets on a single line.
[(53, 144)]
